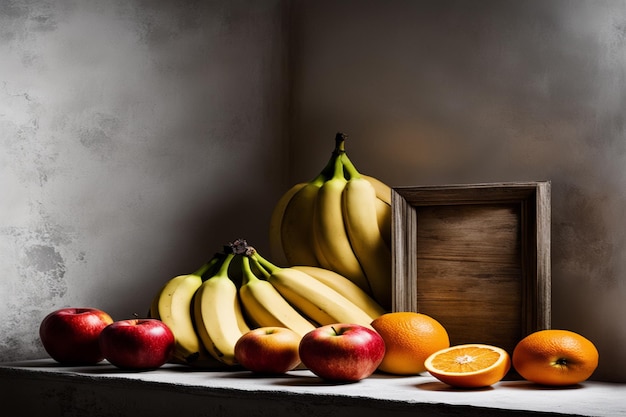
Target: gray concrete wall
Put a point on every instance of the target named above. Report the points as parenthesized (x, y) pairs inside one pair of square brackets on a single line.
[(436, 92), (129, 130), (136, 137)]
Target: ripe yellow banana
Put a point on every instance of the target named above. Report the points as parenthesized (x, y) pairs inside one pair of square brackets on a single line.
[(330, 232), (291, 224), (359, 215), (383, 218), (344, 287), (276, 220), (218, 315), (266, 307), (383, 191), (297, 226), (316, 300), (172, 306), (383, 207)]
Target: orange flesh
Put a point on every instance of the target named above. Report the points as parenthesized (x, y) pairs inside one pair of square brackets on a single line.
[(466, 360)]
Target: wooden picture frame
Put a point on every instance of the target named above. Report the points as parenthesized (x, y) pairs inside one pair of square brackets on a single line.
[(476, 257)]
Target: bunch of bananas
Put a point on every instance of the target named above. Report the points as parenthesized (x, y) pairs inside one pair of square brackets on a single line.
[(209, 310), (339, 221)]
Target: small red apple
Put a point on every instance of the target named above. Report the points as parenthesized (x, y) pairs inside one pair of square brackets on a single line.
[(70, 335), (342, 352), (268, 350), (139, 344)]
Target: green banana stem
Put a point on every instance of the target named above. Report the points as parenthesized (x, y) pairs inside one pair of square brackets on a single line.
[(266, 274), (223, 270), (338, 166), (328, 171), (240, 247), (340, 143), (322, 177), (349, 167), (248, 275), (209, 266), (340, 152), (267, 265)]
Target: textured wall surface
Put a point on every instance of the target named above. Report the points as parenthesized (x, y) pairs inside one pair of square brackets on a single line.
[(436, 92), (136, 137), (130, 129)]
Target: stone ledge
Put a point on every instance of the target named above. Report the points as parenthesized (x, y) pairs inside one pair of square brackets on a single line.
[(43, 388)]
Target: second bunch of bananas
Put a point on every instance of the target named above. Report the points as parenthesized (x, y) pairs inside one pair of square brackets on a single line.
[(209, 310), (339, 221)]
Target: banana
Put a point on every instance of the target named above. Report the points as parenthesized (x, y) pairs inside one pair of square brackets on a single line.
[(383, 207), (218, 315), (383, 218), (316, 300), (383, 191), (359, 214), (276, 220), (266, 307), (344, 287), (297, 225), (291, 236), (172, 306), (332, 241)]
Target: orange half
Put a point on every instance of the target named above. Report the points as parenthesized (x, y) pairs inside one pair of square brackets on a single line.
[(469, 366)]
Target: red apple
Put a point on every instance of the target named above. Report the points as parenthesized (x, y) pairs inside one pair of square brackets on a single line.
[(70, 335), (268, 350), (342, 352), (138, 344)]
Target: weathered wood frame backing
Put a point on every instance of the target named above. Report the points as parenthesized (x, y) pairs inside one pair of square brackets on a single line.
[(534, 207)]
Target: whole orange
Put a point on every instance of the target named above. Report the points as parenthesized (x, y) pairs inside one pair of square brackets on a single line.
[(555, 357), (410, 338)]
